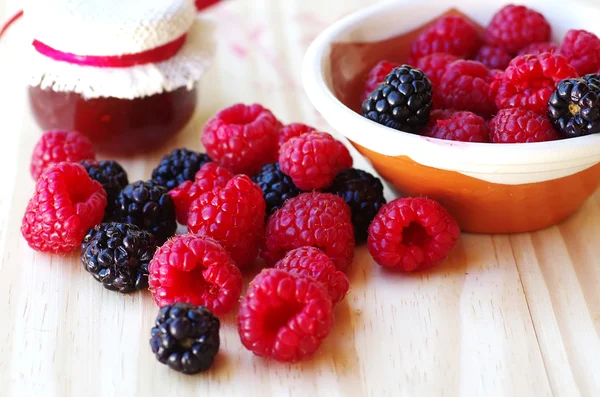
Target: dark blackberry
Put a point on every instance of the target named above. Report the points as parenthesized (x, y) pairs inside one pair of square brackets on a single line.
[(185, 337), (363, 193), (574, 108), (149, 206), (277, 187), (111, 176), (402, 101), (117, 255), (177, 167)]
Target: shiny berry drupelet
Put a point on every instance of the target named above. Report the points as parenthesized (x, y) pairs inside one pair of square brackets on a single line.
[(177, 167), (57, 146), (117, 255), (196, 270), (284, 316), (276, 186), (574, 108), (376, 76), (111, 176), (321, 220), (582, 50), (402, 102), (65, 205), (312, 262), (185, 337), (466, 85), (363, 193), (412, 234), (457, 126), (517, 125), (149, 206), (454, 35), (293, 130)]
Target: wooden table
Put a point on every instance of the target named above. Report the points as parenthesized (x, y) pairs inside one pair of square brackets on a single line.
[(505, 315)]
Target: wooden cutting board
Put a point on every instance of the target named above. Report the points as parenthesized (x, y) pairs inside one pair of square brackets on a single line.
[(505, 315)]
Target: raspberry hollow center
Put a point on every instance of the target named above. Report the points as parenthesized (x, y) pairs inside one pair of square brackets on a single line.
[(414, 235), (574, 108), (280, 317)]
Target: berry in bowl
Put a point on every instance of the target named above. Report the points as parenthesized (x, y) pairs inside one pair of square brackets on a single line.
[(493, 110)]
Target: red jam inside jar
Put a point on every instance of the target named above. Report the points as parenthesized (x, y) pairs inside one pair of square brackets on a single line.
[(115, 125)]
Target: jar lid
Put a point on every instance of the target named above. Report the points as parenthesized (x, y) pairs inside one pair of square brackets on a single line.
[(116, 48)]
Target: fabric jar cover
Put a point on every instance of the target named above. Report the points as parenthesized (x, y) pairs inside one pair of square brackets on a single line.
[(116, 48)]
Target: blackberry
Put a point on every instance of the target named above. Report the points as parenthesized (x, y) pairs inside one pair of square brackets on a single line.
[(117, 255), (364, 195), (185, 337), (277, 187), (149, 206), (111, 176), (574, 108), (402, 101), (177, 167)]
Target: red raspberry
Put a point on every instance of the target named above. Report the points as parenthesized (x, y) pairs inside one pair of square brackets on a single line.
[(582, 50), (57, 146), (493, 57), (412, 234), (538, 48), (514, 27), (529, 80), (233, 215), (466, 86), (312, 262), (434, 65), (195, 270), (313, 159), (457, 126), (66, 204), (451, 34), (321, 220), (208, 177), (291, 131), (242, 138), (376, 77), (284, 316), (517, 125)]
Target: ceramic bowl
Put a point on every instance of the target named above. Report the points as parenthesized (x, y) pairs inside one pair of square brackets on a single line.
[(489, 188)]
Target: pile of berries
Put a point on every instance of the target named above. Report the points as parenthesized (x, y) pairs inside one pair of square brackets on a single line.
[(509, 84), (285, 193)]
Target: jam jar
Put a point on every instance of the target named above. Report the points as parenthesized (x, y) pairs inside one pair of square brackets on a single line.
[(127, 80)]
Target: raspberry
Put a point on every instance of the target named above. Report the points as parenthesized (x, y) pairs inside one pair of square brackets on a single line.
[(195, 270), (466, 86), (186, 338), (276, 186), (312, 262), (242, 138), (529, 80), (520, 125), (117, 255), (148, 206), (313, 159), (284, 316), (493, 57), (451, 34), (582, 50), (111, 176), (57, 146), (293, 130), (177, 167), (412, 234), (65, 205), (514, 27), (434, 65), (457, 126), (538, 48), (321, 220), (574, 108), (208, 177), (234, 215), (364, 195), (376, 76)]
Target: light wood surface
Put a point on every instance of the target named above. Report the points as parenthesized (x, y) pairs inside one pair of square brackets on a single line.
[(511, 315)]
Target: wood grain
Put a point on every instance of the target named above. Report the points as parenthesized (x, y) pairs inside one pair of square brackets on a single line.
[(511, 315)]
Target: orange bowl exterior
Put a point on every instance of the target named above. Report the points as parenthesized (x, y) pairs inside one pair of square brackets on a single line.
[(485, 207)]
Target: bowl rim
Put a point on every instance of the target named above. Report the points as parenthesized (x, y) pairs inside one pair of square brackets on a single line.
[(330, 107)]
